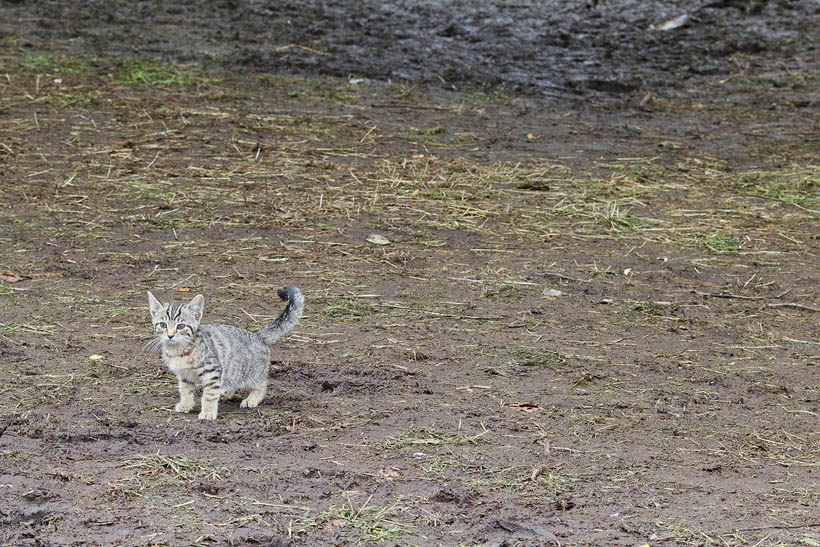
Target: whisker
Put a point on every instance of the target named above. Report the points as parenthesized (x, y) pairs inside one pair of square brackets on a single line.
[(153, 345)]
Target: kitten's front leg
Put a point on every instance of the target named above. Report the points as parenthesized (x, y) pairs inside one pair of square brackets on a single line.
[(210, 378), (210, 402), (186, 396)]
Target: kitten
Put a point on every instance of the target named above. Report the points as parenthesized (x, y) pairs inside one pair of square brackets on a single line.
[(220, 358)]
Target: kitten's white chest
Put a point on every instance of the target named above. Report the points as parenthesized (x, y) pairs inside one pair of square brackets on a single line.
[(179, 364), (183, 367)]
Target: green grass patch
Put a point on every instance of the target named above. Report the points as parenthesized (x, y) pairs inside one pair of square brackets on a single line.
[(402, 91), (422, 438), (430, 438), (552, 481), (153, 73), (74, 100), (527, 481), (47, 62), (544, 359), (341, 95), (175, 466), (499, 290), (800, 188), (612, 216), (718, 242), (350, 309), (480, 98), (374, 523)]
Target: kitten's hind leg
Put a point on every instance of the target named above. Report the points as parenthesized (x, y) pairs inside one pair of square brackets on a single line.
[(186, 396), (254, 397), (227, 394)]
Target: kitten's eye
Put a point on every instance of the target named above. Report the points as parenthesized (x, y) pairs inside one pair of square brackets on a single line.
[(180, 326), (163, 324)]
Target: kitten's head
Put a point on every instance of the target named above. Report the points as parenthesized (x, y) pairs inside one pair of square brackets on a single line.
[(176, 323)]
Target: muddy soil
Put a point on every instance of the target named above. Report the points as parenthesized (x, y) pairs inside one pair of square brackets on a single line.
[(565, 49), (589, 316)]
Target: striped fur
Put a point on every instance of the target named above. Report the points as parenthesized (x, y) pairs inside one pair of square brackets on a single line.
[(222, 359)]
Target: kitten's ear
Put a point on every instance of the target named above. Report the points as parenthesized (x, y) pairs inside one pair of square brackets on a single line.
[(197, 306), (155, 305)]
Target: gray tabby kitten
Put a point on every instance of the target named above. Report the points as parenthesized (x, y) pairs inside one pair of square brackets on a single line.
[(220, 358)]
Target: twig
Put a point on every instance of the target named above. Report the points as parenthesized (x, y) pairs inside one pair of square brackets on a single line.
[(778, 527), (796, 341), (798, 411), (184, 503), (793, 305), (183, 281), (742, 297), (537, 470), (409, 106), (309, 49)]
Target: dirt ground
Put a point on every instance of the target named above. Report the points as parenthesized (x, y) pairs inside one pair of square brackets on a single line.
[(561, 271)]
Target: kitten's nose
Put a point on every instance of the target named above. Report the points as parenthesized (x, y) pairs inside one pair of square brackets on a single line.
[(170, 335)]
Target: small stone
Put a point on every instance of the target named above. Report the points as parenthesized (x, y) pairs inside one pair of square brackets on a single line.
[(377, 239)]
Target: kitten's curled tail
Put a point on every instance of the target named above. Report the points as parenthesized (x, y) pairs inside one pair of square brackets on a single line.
[(289, 317)]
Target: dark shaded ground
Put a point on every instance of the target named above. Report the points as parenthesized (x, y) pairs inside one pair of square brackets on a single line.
[(566, 49), (437, 392)]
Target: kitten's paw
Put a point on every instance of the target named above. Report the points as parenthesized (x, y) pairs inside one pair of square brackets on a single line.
[(207, 415), (227, 395), (184, 407), (247, 403)]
